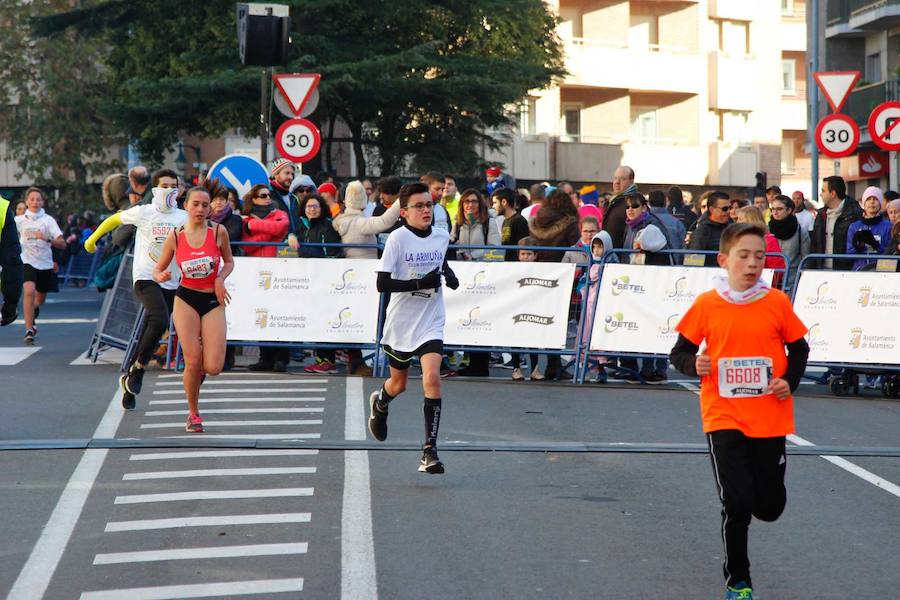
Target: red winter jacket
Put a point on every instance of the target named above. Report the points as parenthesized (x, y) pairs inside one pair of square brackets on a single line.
[(273, 228)]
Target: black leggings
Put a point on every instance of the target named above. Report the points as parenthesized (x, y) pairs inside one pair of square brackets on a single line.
[(749, 476), (157, 303)]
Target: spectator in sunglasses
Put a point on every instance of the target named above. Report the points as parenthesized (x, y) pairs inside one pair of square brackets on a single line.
[(711, 224)]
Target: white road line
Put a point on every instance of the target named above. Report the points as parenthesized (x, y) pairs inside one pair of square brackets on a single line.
[(223, 520), (852, 468), (214, 495), (838, 461), (358, 580), (13, 356), (233, 411), (35, 576), (199, 590), (195, 553), (217, 473), (228, 400), (217, 381), (205, 392), (235, 423), (220, 454), (250, 436), (58, 321)]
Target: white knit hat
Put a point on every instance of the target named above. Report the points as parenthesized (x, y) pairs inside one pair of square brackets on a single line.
[(355, 196), (279, 164)]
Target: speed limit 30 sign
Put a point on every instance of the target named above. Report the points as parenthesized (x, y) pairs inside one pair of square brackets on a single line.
[(837, 135), (298, 140)]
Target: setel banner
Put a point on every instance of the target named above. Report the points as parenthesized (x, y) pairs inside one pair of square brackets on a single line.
[(851, 316), (638, 306), (521, 305), (303, 300)]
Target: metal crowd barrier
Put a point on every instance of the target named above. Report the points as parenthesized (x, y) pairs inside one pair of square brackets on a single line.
[(690, 258), (82, 266), (842, 378)]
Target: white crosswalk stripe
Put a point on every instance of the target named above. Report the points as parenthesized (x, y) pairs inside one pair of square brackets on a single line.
[(193, 490)]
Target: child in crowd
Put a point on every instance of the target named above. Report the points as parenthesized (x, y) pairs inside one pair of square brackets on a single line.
[(745, 389), (526, 255), (600, 244)]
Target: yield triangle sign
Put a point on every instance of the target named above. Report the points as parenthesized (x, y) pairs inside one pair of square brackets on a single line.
[(296, 88), (836, 86)]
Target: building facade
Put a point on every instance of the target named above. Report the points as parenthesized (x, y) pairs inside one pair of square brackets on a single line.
[(704, 93), (864, 36)]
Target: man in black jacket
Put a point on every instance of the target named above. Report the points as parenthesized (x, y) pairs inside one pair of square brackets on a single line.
[(614, 216), (710, 226), (11, 263), (829, 234)]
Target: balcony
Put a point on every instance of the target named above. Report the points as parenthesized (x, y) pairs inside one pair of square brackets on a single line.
[(852, 17), (739, 10), (731, 81), (863, 99), (600, 64)]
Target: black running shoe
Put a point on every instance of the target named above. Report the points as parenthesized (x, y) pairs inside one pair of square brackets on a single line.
[(134, 380), (377, 418), (29, 336), (8, 314), (128, 399), (430, 462)]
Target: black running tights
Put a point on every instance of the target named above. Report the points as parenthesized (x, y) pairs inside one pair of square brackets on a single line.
[(157, 303)]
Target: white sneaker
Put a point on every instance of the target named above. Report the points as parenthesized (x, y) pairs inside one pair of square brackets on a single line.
[(536, 375), (517, 374)]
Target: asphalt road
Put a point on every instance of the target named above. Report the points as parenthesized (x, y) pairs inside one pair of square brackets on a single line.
[(332, 522)]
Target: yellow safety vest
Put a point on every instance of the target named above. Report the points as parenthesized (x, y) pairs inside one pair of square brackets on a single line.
[(4, 207)]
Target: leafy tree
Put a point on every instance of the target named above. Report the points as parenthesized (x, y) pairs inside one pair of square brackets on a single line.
[(412, 79), (51, 90)]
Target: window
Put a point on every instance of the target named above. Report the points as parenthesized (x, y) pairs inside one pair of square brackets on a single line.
[(528, 117), (787, 156), (734, 40), (873, 67), (571, 125), (788, 75), (643, 122)]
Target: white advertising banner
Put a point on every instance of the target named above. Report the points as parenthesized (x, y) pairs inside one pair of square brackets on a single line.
[(851, 316), (638, 306), (521, 305), (303, 300)]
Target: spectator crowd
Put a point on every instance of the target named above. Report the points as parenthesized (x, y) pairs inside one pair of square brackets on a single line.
[(295, 215)]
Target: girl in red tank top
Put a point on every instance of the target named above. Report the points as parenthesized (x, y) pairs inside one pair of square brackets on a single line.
[(200, 300)]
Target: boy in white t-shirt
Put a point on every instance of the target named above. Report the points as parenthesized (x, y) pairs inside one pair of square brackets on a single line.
[(153, 223), (38, 235), (411, 266)]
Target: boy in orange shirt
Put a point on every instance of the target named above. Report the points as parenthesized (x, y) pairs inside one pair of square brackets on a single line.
[(745, 390)]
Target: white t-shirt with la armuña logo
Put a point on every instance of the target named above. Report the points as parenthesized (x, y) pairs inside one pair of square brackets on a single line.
[(153, 228), (414, 318), (34, 231)]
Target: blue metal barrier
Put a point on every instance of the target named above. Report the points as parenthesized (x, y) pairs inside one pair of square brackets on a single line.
[(605, 260)]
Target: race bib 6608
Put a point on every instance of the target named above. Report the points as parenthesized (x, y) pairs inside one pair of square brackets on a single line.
[(744, 377)]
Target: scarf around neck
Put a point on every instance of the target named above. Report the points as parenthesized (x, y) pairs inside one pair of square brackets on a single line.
[(784, 229), (220, 216), (755, 292), (261, 210), (34, 216), (633, 223)]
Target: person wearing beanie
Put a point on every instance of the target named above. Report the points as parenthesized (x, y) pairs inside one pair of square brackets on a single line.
[(329, 191), (872, 232), (280, 179), (590, 198), (494, 177)]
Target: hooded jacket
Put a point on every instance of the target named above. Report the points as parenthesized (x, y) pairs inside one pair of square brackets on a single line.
[(355, 228), (272, 228), (880, 226), (550, 227)]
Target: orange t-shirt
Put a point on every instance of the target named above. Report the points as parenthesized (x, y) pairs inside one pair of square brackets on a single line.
[(758, 329)]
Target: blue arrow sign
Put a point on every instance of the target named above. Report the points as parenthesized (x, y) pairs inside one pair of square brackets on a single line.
[(240, 172)]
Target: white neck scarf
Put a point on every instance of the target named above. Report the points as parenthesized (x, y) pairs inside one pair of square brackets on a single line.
[(755, 292), (33, 216)]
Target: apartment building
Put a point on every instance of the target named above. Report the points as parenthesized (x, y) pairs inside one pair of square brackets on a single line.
[(864, 36), (699, 93)]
